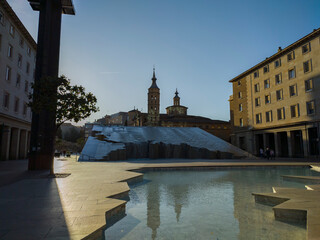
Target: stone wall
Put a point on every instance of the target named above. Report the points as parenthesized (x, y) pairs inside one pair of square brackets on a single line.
[(162, 150)]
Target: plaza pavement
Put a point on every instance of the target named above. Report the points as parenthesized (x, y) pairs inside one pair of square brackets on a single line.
[(81, 205)]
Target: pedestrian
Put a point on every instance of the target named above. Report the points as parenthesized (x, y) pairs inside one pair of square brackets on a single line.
[(267, 153), (272, 154), (261, 153)]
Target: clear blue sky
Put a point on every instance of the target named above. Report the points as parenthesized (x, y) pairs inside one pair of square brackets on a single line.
[(110, 47)]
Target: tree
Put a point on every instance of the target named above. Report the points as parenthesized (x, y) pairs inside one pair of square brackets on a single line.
[(59, 133), (72, 135), (71, 103)]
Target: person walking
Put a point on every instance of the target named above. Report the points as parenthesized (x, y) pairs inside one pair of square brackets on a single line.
[(267, 153), (272, 154), (261, 153)]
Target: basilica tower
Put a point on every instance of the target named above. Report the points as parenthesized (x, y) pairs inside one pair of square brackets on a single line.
[(154, 102)]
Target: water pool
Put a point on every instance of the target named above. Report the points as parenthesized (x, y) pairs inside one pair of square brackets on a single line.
[(214, 204)]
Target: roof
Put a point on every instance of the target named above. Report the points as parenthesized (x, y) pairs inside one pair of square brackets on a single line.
[(16, 21), (280, 53), (154, 79), (154, 85), (176, 106), (67, 6), (190, 118)]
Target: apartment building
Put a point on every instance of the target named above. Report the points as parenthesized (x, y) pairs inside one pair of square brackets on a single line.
[(17, 63), (276, 103)]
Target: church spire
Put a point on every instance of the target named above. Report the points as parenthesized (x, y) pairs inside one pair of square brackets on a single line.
[(154, 74), (176, 99), (176, 93)]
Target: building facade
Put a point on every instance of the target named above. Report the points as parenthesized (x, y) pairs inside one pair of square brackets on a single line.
[(17, 58), (276, 103)]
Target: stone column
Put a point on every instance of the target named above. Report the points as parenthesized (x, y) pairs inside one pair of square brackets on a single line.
[(305, 142), (5, 143), (23, 144), (276, 146), (265, 142), (289, 144), (253, 145), (47, 68), (14, 144)]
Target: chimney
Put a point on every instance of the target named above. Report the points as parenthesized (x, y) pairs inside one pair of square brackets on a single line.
[(279, 49)]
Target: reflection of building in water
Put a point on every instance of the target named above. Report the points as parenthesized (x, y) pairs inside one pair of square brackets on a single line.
[(178, 196), (153, 208)]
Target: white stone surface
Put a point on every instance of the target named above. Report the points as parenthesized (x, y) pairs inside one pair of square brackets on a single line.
[(194, 137)]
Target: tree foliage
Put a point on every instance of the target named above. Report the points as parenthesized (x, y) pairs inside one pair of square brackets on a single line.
[(70, 103)]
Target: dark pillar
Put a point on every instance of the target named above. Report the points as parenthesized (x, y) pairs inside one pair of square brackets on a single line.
[(47, 65)]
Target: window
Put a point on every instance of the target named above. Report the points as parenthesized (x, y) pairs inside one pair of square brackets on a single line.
[(10, 51), (295, 111), (25, 109), (21, 41), (256, 74), (269, 116), (8, 73), (26, 86), (258, 118), (311, 107), (239, 83), (267, 99), (266, 69), (281, 113), (279, 94), (240, 107), (241, 122), (257, 102), (308, 85), (239, 94), (16, 105), (1, 18), (257, 87), (277, 63), (306, 48), (6, 100), (267, 83), (19, 60), (29, 50), (307, 66), (292, 73), (290, 56), (278, 79), (18, 81), (28, 68), (11, 30), (293, 90)]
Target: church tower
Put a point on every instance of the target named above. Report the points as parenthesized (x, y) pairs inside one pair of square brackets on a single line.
[(176, 109), (176, 99), (154, 102)]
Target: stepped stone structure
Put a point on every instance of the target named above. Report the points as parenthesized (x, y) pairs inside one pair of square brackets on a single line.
[(121, 143)]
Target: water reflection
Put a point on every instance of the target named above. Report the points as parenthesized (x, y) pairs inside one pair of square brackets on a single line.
[(153, 208), (205, 205)]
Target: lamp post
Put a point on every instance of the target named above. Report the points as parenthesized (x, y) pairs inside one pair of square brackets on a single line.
[(47, 67)]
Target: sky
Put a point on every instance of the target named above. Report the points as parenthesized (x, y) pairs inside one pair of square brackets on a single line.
[(196, 46)]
